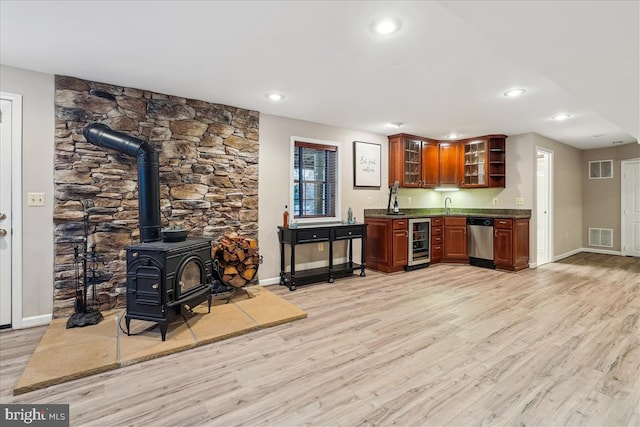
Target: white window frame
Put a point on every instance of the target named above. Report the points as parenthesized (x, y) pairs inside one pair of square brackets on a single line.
[(324, 220), (600, 162)]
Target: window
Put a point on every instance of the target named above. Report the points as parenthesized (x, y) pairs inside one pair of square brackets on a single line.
[(315, 180)]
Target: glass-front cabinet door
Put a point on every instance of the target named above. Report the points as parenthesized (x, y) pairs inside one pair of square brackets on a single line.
[(412, 163), (475, 163)]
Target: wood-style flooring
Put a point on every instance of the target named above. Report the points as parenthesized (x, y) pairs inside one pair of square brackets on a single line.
[(449, 345)]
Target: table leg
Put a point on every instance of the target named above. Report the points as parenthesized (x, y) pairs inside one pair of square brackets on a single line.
[(363, 252), (331, 279), (282, 281), (292, 285)]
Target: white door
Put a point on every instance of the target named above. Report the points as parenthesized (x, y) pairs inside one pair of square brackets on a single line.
[(544, 191), (630, 233), (5, 213)]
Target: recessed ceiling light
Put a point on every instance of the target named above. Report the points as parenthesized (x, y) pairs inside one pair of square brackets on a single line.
[(514, 92), (453, 136), (561, 116), (396, 125), (385, 26), (597, 135), (274, 96)]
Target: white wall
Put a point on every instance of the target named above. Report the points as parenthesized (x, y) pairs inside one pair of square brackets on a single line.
[(38, 127)]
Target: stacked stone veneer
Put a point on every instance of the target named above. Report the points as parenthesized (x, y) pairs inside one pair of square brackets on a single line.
[(208, 176)]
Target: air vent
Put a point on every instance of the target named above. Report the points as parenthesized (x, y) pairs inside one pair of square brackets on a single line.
[(600, 169), (601, 237)]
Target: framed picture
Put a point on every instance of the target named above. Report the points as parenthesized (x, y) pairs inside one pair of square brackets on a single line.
[(366, 164)]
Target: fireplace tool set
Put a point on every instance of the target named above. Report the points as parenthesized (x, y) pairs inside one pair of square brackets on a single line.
[(85, 314)]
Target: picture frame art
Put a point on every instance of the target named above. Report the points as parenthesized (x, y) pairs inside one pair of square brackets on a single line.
[(366, 164)]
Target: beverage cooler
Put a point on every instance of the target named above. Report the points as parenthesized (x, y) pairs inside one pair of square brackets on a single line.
[(419, 243)]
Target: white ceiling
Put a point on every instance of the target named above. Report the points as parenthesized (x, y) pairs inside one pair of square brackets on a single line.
[(444, 71)]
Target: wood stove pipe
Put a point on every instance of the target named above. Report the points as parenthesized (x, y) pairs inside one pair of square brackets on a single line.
[(148, 175)]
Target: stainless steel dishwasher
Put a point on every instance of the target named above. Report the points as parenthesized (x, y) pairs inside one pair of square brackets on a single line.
[(480, 241)]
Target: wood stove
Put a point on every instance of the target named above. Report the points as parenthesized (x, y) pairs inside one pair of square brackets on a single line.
[(164, 272), (162, 277)]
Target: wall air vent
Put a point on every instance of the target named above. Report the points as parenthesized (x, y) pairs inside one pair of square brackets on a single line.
[(601, 237), (600, 169)]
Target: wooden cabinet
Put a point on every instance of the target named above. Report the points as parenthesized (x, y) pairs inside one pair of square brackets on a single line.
[(455, 239), (483, 162), (418, 162), (413, 161), (449, 164), (437, 240), (387, 244), (511, 243), (400, 243)]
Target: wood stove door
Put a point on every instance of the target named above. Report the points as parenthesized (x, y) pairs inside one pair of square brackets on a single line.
[(191, 275), (147, 285)]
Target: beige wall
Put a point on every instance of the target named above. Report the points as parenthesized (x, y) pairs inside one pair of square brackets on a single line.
[(38, 124), (275, 143), (601, 198), (275, 133), (567, 196)]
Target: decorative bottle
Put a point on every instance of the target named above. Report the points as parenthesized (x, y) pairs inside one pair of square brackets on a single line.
[(285, 217), (350, 216), (396, 208)]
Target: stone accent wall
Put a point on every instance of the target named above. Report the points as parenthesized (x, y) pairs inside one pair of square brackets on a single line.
[(208, 176)]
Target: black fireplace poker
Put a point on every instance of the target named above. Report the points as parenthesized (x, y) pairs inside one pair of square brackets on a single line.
[(84, 315)]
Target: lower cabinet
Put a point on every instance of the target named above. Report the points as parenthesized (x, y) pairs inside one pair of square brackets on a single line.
[(511, 243), (387, 244), (455, 239)]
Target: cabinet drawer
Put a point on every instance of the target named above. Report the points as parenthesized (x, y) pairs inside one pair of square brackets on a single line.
[(400, 224), (436, 240), (347, 232), (317, 235), (436, 251), (436, 231), (455, 220), (503, 223), (436, 221)]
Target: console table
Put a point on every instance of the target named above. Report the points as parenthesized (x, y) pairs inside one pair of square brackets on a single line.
[(317, 234)]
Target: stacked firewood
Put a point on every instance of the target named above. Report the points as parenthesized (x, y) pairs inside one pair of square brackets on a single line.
[(238, 258)]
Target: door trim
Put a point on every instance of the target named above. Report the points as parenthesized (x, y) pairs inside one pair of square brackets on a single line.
[(623, 178), (16, 208)]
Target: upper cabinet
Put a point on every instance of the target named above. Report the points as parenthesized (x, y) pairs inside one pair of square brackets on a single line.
[(413, 161), (449, 164), (483, 161), (418, 162)]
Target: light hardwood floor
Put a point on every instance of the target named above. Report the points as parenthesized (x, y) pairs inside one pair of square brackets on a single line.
[(448, 345)]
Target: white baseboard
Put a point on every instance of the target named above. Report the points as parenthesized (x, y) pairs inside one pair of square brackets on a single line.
[(602, 251), (591, 250), (32, 322), (270, 281), (567, 254)]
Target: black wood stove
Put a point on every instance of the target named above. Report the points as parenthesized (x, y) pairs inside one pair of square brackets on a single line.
[(162, 277), (167, 270)]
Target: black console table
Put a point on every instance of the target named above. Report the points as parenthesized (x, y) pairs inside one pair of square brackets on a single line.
[(317, 234)]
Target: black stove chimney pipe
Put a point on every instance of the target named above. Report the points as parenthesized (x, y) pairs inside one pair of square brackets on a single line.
[(148, 175)]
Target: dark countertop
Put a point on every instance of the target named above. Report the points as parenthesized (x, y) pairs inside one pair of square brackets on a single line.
[(429, 212)]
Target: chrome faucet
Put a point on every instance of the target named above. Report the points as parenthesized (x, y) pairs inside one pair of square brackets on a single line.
[(446, 209)]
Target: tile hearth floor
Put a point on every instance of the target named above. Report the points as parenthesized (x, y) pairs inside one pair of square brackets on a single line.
[(67, 354)]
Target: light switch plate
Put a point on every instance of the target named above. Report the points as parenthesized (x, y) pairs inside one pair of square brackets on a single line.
[(35, 199), (519, 201)]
